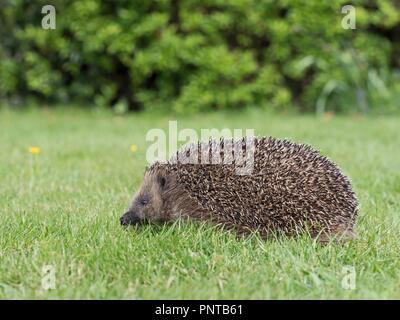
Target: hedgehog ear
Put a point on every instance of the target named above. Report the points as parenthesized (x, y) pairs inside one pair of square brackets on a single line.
[(163, 181)]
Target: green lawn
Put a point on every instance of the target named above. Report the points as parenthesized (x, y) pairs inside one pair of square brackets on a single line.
[(61, 208)]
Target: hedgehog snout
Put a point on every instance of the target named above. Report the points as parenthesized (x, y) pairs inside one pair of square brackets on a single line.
[(129, 218)]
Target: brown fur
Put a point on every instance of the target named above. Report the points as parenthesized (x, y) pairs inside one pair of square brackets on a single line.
[(292, 188)]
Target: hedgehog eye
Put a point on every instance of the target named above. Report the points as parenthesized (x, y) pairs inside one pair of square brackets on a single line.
[(143, 202)]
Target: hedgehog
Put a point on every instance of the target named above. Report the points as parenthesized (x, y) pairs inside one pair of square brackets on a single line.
[(288, 189)]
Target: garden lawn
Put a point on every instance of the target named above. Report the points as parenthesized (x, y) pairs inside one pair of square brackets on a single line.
[(60, 236)]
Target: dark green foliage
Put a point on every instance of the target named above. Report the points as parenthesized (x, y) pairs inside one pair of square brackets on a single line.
[(197, 55)]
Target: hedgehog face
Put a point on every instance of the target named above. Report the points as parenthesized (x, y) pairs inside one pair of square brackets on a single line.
[(147, 204)]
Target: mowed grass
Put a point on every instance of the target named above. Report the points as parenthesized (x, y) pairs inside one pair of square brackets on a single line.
[(60, 209)]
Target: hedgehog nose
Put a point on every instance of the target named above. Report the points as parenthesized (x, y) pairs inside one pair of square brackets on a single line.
[(129, 219), (123, 220)]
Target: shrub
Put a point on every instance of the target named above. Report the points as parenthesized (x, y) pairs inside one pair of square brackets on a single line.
[(197, 55)]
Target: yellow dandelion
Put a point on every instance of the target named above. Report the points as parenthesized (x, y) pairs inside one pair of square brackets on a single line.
[(133, 148), (34, 150)]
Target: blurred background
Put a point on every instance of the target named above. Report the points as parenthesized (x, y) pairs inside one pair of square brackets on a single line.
[(188, 56)]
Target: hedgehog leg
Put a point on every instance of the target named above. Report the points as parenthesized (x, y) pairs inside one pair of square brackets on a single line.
[(346, 232), (341, 235), (349, 234)]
